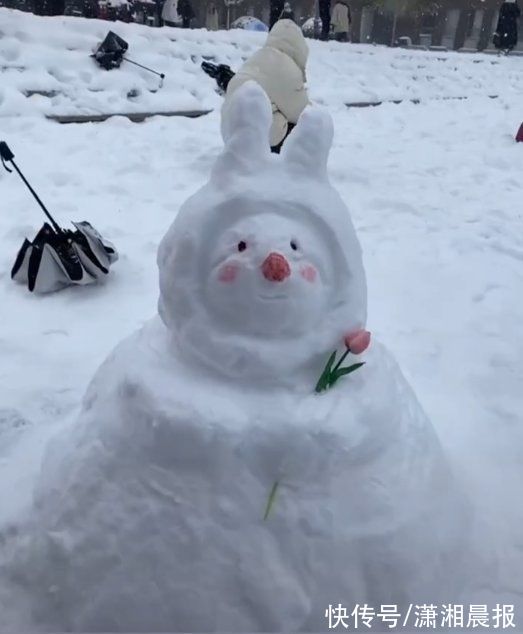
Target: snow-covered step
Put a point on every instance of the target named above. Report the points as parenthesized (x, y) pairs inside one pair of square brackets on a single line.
[(135, 117)]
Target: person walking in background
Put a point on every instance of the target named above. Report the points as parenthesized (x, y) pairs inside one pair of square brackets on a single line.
[(211, 16), (277, 7), (341, 20), (186, 12), (325, 17), (279, 68), (170, 15), (287, 13), (506, 35)]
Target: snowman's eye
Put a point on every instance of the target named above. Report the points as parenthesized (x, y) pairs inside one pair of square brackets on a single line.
[(294, 245), (242, 245)]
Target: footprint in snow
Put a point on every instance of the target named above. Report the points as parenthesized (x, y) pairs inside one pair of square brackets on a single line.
[(511, 253), (21, 36), (59, 75), (10, 54), (11, 419), (481, 296)]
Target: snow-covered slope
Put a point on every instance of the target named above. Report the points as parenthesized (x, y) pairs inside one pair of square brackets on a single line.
[(51, 56)]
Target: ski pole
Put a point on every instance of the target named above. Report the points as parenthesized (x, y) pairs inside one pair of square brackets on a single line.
[(7, 155), (144, 67)]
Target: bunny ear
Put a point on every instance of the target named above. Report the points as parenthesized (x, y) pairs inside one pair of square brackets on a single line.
[(308, 146), (246, 122)]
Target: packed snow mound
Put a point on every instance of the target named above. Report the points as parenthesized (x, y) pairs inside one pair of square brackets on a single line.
[(153, 504), (45, 68), (150, 510)]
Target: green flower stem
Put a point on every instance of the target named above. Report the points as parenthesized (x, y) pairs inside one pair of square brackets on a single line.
[(270, 499), (342, 359), (323, 381), (327, 379)]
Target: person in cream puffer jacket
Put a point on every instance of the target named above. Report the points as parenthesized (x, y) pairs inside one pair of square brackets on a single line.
[(341, 20), (279, 68)]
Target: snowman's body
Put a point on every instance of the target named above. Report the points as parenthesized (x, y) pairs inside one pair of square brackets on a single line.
[(150, 516)]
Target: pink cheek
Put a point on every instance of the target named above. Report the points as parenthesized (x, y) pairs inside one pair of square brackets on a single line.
[(228, 273), (309, 273)]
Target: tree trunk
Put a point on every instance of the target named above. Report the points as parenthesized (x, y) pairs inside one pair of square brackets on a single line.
[(461, 29), (439, 28), (355, 27), (487, 29)]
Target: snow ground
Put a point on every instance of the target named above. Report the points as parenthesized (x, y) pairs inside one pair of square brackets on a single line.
[(436, 195)]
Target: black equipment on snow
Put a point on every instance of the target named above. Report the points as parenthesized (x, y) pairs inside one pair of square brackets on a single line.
[(58, 257), (110, 53), (220, 72)]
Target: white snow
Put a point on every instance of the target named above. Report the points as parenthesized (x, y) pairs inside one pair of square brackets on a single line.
[(153, 506), (435, 193)]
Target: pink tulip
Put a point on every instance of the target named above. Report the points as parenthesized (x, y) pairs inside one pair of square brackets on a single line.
[(357, 342)]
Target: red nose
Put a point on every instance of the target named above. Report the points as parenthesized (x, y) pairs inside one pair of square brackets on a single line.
[(275, 268)]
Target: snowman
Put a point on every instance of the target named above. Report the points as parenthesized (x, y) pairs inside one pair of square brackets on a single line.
[(152, 513)]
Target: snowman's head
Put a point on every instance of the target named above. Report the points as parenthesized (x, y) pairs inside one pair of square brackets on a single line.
[(266, 274), (261, 271)]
